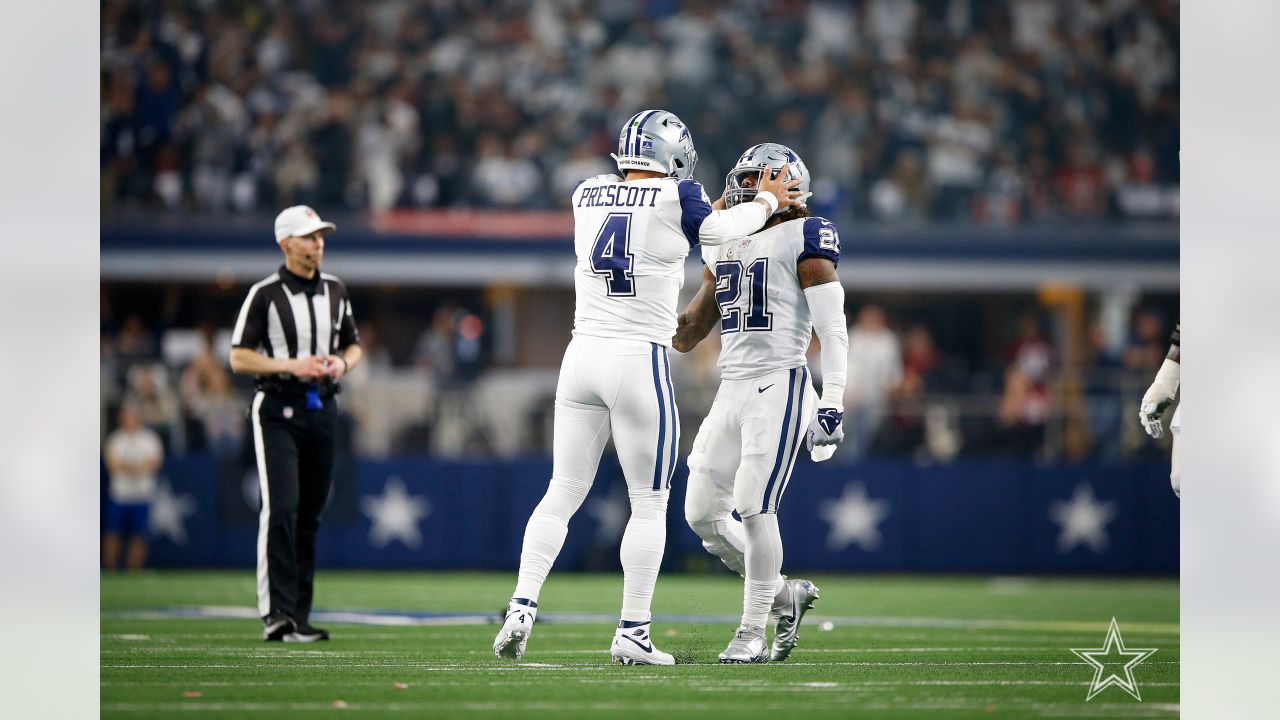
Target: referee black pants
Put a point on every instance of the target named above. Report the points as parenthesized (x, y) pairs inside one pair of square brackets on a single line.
[(294, 446)]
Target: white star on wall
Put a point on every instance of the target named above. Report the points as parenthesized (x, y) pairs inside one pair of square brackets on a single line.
[(854, 519), (169, 511), (1082, 520), (395, 514), (611, 514)]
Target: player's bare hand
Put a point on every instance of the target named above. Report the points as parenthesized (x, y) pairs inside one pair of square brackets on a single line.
[(310, 368), (719, 204), (787, 192), (684, 339)]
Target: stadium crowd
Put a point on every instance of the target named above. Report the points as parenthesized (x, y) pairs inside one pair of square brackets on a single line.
[(907, 110), (1026, 392)]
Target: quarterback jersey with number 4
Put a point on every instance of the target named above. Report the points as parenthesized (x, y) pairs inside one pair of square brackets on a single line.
[(765, 324), (631, 240)]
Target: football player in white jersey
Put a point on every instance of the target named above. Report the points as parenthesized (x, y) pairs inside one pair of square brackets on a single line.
[(631, 235), (1158, 398), (768, 291)]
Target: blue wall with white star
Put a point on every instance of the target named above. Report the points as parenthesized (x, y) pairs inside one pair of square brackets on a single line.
[(986, 517)]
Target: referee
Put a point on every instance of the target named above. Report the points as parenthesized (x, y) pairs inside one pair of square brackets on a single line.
[(296, 336)]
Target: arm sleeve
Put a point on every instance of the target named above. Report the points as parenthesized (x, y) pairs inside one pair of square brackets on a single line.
[(251, 325), (826, 308), (821, 240), (716, 227)]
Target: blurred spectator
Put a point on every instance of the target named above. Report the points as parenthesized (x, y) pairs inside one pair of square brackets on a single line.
[(1023, 410), (503, 178), (920, 359), (875, 370), (1025, 403), (1104, 405), (212, 403), (1000, 202), (388, 104), (904, 195), (1031, 353), (435, 349), (134, 343), (1146, 349), (1080, 183), (132, 454), (153, 399)]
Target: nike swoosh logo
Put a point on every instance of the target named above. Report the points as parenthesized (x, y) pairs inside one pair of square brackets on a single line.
[(647, 648), (766, 387)]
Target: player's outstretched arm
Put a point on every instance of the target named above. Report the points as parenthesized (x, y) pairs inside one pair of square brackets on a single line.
[(721, 226), (702, 314), (825, 297), (1160, 395)]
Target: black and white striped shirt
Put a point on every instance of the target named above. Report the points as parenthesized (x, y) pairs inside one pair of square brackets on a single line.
[(288, 316)]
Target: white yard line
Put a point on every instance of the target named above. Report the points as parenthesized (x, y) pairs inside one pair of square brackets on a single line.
[(413, 619)]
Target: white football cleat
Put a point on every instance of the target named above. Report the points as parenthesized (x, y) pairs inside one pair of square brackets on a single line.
[(633, 646), (516, 629)]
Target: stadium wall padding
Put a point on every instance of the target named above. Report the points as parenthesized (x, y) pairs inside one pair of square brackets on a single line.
[(972, 516)]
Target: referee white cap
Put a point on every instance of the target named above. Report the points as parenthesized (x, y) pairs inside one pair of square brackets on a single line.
[(299, 220)]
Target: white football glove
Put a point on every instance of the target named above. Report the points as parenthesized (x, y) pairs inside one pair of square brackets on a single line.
[(1158, 398), (826, 429)]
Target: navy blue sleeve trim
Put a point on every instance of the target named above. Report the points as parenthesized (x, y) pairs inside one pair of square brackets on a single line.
[(820, 240), (693, 210)]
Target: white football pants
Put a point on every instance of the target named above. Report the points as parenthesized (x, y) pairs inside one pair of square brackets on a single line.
[(618, 388), (743, 456)]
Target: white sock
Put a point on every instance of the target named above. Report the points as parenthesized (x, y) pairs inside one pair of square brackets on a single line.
[(544, 535), (642, 546), (764, 566), (543, 538)]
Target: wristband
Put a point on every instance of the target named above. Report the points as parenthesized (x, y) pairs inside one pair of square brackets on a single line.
[(832, 395), (769, 199)]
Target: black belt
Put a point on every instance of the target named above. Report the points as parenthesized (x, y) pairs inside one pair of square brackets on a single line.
[(296, 388)]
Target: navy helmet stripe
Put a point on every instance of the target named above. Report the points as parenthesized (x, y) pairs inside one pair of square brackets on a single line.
[(795, 449), (662, 422), (782, 442), (675, 419), (640, 135), (626, 145)]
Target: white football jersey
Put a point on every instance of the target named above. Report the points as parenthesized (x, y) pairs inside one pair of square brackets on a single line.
[(632, 239), (765, 324)]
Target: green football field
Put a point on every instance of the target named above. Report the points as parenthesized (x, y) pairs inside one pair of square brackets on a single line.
[(418, 645)]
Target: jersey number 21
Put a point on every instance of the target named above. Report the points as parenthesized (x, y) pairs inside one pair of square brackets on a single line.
[(729, 288)]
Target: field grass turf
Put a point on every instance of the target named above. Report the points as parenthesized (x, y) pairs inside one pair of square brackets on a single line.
[(901, 647)]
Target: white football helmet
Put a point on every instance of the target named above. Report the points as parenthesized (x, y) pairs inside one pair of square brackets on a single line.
[(658, 141), (757, 157)]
